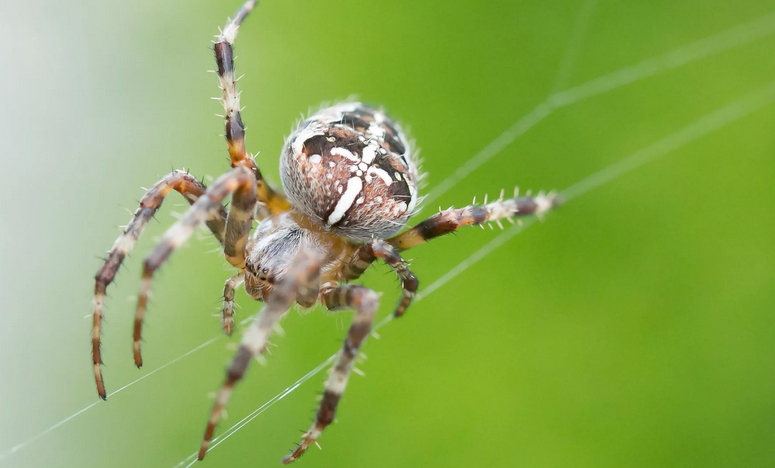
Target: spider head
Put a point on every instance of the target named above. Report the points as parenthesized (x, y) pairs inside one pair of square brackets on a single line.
[(349, 168), (276, 244)]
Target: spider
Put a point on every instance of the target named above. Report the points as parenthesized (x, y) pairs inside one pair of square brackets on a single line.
[(350, 183)]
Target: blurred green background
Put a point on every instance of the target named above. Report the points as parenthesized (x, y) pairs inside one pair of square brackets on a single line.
[(633, 328)]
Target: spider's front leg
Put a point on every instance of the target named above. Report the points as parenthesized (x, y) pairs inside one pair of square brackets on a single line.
[(365, 302), (450, 220), (301, 280), (227, 311), (191, 189), (240, 182), (235, 129)]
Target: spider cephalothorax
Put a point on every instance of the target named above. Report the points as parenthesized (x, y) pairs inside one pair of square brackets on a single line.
[(350, 183)]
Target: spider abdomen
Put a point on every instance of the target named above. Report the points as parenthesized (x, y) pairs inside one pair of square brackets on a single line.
[(350, 169)]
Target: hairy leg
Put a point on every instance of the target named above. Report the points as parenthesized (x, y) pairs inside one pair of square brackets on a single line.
[(365, 256), (365, 302), (301, 279), (451, 219), (238, 224), (241, 182), (191, 189), (235, 129), (227, 311)]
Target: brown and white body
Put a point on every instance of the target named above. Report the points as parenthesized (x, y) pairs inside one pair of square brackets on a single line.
[(350, 184)]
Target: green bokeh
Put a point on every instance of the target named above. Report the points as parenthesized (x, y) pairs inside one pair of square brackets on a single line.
[(633, 328)]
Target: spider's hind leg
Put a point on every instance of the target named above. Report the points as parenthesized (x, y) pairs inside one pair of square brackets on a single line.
[(365, 256), (191, 189), (302, 279), (450, 220), (365, 302)]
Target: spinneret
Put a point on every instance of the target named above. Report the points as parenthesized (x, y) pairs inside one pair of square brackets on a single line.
[(351, 183)]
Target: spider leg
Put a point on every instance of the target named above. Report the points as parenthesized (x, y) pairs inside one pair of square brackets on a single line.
[(365, 256), (451, 219), (302, 278), (191, 189), (241, 183), (239, 222), (227, 311), (359, 262), (235, 129), (365, 302)]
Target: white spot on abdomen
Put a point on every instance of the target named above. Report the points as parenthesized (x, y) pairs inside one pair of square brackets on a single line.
[(382, 174), (345, 153), (369, 153), (354, 186)]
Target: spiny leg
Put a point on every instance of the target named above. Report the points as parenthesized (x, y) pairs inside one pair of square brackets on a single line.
[(239, 222), (365, 302), (242, 183), (227, 311), (191, 189), (235, 246), (365, 256), (451, 219), (409, 282), (359, 262), (235, 129), (303, 278)]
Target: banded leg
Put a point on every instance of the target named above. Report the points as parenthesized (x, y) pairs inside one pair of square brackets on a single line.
[(365, 256), (191, 189), (227, 311), (450, 220), (242, 183), (239, 222), (235, 129), (365, 302), (303, 277), (409, 283)]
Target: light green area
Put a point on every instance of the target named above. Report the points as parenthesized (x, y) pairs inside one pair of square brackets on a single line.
[(633, 328)]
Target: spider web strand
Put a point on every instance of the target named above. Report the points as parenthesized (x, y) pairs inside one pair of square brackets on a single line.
[(758, 28), (707, 124), (574, 45)]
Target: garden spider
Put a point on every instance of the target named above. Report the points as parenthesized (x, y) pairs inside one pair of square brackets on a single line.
[(351, 184)]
